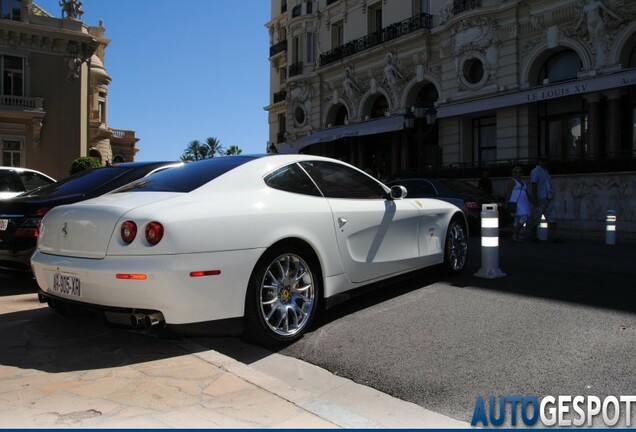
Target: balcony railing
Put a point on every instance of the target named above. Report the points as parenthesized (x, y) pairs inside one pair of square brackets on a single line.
[(22, 102), (120, 133), (280, 96), (279, 47), (417, 22), (295, 69), (460, 6)]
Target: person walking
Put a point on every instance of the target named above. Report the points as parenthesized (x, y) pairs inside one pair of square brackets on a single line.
[(543, 200), (518, 202)]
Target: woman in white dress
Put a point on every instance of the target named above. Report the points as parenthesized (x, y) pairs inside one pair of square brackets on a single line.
[(518, 194)]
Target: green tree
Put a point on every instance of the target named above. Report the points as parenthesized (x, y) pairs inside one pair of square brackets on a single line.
[(194, 151), (233, 150), (84, 163), (215, 147)]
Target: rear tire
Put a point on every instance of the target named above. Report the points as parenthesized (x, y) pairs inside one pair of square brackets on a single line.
[(455, 247), (282, 296)]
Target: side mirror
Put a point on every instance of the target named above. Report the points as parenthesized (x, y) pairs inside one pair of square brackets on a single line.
[(398, 192)]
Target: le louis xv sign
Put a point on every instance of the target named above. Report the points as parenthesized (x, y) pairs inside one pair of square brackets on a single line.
[(542, 93), (582, 86)]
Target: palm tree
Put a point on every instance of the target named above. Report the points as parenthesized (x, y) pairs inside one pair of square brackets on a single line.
[(233, 150), (193, 151), (215, 146)]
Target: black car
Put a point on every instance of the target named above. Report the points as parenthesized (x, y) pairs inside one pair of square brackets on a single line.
[(20, 216), (464, 195), (16, 180)]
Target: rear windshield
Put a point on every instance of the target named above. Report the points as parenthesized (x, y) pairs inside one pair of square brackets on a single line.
[(188, 177), (82, 182)]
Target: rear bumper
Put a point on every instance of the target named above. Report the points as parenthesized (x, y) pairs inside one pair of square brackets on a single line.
[(168, 287)]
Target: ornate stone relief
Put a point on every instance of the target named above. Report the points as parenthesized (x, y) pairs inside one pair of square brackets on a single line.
[(597, 26), (351, 89), (77, 55), (300, 97), (393, 77), (476, 41)]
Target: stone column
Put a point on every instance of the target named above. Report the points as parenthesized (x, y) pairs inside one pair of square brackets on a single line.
[(594, 131), (613, 148)]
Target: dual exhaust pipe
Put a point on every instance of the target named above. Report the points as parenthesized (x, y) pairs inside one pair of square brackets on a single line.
[(146, 321)]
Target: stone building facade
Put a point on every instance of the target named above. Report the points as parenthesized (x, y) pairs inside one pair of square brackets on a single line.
[(54, 92), (453, 87)]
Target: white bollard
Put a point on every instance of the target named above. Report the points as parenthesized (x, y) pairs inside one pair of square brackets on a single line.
[(542, 229), (610, 227), (489, 243)]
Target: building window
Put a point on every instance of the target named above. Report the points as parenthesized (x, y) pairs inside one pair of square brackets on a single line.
[(562, 127), (310, 48), (282, 128), (375, 18), (11, 151), (101, 107), (282, 74), (380, 107), (12, 75), (632, 58), (634, 129), (485, 139), (473, 70), (421, 6), (296, 50), (562, 66), (11, 9), (337, 34)]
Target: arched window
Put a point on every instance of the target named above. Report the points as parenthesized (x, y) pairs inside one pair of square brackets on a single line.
[(380, 107), (341, 116), (632, 58), (562, 66)]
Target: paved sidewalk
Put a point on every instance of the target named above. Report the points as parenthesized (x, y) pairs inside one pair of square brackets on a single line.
[(59, 372)]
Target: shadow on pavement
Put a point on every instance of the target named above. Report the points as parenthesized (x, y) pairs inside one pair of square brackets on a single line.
[(580, 272)]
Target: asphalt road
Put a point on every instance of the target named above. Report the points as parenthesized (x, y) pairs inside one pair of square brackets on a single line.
[(561, 322)]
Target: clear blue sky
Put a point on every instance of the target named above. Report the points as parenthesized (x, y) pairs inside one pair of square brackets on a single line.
[(184, 70)]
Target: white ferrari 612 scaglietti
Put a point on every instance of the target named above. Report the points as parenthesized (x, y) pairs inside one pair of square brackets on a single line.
[(251, 244)]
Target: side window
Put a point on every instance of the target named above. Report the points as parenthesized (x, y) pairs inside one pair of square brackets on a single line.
[(340, 181), (9, 183), (33, 180), (292, 178)]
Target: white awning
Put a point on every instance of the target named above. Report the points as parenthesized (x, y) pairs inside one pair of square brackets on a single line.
[(369, 127)]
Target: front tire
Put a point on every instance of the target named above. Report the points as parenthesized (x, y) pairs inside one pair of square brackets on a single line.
[(456, 247), (282, 296)]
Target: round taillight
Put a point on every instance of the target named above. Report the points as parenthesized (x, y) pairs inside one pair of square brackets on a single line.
[(154, 232), (128, 231)]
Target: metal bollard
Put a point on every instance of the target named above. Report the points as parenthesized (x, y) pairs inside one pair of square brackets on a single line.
[(542, 229), (489, 243), (610, 227)]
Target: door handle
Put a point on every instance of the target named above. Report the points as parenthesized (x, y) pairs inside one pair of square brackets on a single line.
[(341, 222)]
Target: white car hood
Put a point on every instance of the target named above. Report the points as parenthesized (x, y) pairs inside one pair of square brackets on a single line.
[(84, 229)]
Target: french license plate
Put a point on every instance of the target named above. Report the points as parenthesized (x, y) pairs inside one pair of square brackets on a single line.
[(4, 223), (65, 284)]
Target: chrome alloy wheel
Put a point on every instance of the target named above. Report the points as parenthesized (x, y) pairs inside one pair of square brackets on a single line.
[(456, 247), (287, 295)]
